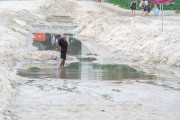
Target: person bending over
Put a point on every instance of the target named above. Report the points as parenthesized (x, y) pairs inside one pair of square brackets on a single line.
[(64, 46)]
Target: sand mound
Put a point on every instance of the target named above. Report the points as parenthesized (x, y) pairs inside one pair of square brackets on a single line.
[(135, 39)]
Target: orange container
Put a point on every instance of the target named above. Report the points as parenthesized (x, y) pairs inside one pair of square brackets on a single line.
[(39, 37)]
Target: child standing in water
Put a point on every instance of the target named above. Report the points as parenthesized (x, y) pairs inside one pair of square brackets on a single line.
[(133, 7), (64, 46)]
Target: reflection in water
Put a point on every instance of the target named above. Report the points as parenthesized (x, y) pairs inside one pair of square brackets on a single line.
[(94, 71), (63, 74), (49, 42), (44, 41), (121, 72), (86, 70)]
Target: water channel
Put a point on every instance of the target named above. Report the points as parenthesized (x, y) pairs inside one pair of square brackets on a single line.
[(88, 66)]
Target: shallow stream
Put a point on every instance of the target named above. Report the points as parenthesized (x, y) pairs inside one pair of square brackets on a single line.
[(87, 65)]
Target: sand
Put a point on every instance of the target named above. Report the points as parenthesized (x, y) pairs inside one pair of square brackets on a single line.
[(125, 37)]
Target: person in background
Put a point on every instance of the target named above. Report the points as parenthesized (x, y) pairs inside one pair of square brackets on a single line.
[(142, 6), (149, 8), (64, 46), (133, 7), (155, 10), (146, 7)]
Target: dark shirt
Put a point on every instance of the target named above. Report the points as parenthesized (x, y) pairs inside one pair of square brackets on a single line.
[(133, 5), (63, 44)]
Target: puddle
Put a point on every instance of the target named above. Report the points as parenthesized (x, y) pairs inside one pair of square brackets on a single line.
[(54, 27), (87, 70), (59, 18), (88, 67)]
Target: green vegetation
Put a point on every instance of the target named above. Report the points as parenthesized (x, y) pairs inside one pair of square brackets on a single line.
[(174, 6), (125, 4), (120, 3)]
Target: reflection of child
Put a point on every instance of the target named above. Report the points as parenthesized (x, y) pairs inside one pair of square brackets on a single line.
[(155, 10)]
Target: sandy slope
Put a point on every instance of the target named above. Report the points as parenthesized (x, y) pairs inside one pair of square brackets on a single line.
[(16, 18), (128, 38), (14, 23), (135, 38)]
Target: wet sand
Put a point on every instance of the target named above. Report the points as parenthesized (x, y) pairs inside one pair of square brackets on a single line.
[(63, 99)]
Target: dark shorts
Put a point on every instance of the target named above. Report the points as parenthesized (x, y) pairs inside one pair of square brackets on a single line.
[(145, 8), (63, 55), (133, 8)]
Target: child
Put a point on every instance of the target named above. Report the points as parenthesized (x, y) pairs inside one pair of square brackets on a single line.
[(142, 6), (133, 7), (64, 46), (146, 7), (155, 10)]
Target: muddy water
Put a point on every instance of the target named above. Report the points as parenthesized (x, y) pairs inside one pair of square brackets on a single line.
[(87, 71), (87, 66)]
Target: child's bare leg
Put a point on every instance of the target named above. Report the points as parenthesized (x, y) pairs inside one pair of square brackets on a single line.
[(61, 64)]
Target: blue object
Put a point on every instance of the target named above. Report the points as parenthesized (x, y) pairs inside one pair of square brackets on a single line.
[(53, 57), (156, 11)]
